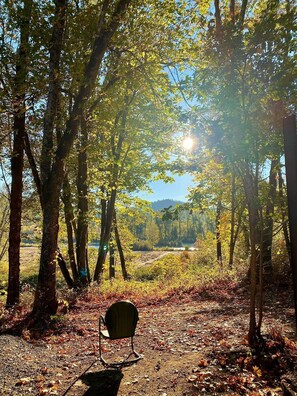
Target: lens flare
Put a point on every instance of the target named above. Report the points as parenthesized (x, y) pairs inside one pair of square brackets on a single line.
[(188, 143)]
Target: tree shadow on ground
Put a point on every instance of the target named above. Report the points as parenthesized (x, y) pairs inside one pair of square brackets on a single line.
[(106, 382)]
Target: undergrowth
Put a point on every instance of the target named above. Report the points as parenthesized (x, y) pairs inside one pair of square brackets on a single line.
[(170, 276)]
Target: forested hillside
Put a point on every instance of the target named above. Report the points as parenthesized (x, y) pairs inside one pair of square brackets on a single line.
[(165, 203)]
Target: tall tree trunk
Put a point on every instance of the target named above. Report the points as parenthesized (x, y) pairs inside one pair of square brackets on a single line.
[(111, 260), (70, 227), (253, 261), (120, 249), (261, 281), (17, 158), (232, 11), (251, 193), (3, 225), (45, 302), (268, 221), (242, 12), (82, 219), (219, 29), (116, 148), (45, 297), (284, 212), (103, 248), (232, 225), (103, 203), (218, 234), (290, 140)]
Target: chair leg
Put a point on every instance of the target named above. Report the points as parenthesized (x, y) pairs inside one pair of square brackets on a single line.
[(136, 354), (103, 361), (124, 362)]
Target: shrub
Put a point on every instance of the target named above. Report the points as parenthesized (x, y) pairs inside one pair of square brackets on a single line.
[(142, 246), (163, 269)]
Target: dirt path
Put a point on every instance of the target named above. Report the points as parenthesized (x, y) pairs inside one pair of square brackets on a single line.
[(147, 258), (186, 344)]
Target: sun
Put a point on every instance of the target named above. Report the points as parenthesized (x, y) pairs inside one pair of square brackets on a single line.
[(188, 143)]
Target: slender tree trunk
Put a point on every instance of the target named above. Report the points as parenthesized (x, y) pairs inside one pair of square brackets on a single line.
[(120, 249), (103, 203), (70, 227), (246, 236), (232, 226), (33, 166), (284, 213), (218, 234), (268, 222), (103, 248), (17, 158), (261, 281), (116, 148), (251, 193), (82, 219), (218, 19), (64, 270), (232, 11), (3, 229), (253, 273), (111, 260), (237, 230), (290, 140), (242, 12)]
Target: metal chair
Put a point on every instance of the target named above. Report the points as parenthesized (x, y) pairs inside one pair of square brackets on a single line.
[(120, 321)]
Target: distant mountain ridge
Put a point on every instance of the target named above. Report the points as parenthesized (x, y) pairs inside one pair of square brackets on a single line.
[(165, 203)]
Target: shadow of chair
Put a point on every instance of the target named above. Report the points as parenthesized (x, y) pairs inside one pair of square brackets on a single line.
[(104, 383)]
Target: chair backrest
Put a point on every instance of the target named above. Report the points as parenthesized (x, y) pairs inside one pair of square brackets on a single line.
[(121, 319)]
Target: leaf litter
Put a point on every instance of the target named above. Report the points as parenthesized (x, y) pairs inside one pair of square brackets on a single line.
[(192, 344)]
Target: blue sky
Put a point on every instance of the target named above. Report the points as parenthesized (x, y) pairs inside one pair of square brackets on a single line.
[(177, 190)]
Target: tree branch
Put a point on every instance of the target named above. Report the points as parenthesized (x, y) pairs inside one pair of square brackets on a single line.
[(218, 19), (242, 12), (33, 165)]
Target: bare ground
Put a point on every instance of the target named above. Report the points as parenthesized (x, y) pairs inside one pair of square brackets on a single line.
[(192, 344)]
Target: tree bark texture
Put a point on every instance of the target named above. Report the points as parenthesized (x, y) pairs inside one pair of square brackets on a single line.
[(70, 227), (45, 302), (284, 212), (120, 249), (116, 149), (268, 221), (255, 239), (3, 224), (56, 44), (111, 260), (17, 158), (232, 225), (290, 144), (218, 234), (64, 270), (52, 171), (82, 219), (103, 248)]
